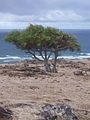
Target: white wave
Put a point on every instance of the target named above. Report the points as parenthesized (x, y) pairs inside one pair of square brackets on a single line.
[(85, 54), (69, 57), (73, 57), (9, 58)]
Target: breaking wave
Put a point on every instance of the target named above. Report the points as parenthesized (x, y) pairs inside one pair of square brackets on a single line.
[(9, 58)]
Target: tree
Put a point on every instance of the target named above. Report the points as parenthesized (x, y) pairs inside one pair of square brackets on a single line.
[(43, 41)]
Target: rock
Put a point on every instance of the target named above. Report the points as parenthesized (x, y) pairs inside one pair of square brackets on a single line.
[(83, 72), (78, 73), (57, 112), (5, 114)]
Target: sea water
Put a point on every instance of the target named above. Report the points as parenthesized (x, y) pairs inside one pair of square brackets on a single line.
[(9, 52)]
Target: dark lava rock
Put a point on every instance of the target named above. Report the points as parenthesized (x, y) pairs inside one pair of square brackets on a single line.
[(5, 114), (57, 112)]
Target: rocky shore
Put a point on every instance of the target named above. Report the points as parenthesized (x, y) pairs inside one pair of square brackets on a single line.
[(26, 91)]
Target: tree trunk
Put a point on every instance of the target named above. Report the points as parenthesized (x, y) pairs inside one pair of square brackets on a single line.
[(54, 69), (46, 64)]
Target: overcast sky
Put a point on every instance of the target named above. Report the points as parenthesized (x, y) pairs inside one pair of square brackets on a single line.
[(69, 14)]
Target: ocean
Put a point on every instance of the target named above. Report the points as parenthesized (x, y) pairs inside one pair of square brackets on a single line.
[(9, 53)]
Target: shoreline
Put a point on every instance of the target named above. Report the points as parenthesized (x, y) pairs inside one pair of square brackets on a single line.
[(13, 59), (31, 60)]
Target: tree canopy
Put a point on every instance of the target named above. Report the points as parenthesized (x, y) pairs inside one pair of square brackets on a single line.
[(43, 41)]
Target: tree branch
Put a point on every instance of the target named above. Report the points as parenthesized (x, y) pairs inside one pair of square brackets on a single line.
[(33, 54), (49, 54), (41, 54)]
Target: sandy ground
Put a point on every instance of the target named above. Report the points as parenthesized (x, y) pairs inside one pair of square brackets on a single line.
[(25, 95)]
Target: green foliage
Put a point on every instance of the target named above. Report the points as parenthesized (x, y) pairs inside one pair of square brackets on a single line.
[(43, 40), (39, 37), (13, 36)]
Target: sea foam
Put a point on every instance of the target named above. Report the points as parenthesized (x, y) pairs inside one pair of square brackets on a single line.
[(9, 58)]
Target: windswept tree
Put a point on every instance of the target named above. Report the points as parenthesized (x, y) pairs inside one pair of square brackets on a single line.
[(43, 41)]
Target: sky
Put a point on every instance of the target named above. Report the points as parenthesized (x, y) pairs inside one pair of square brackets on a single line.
[(63, 14)]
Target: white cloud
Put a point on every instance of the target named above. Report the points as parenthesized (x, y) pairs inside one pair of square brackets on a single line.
[(58, 15), (13, 25), (63, 18), (53, 15), (7, 17)]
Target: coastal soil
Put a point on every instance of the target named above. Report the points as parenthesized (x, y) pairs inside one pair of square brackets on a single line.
[(25, 87)]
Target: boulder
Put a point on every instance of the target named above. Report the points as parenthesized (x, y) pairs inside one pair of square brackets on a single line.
[(57, 112), (83, 72), (5, 114)]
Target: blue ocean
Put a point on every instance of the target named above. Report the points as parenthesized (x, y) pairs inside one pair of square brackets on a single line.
[(9, 53)]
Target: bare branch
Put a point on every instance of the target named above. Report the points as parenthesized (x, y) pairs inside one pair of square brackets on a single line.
[(49, 54), (40, 51), (33, 54)]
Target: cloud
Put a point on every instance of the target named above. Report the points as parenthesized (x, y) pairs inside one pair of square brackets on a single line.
[(50, 16), (8, 17), (25, 7), (53, 18), (44, 11), (13, 25), (58, 15)]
